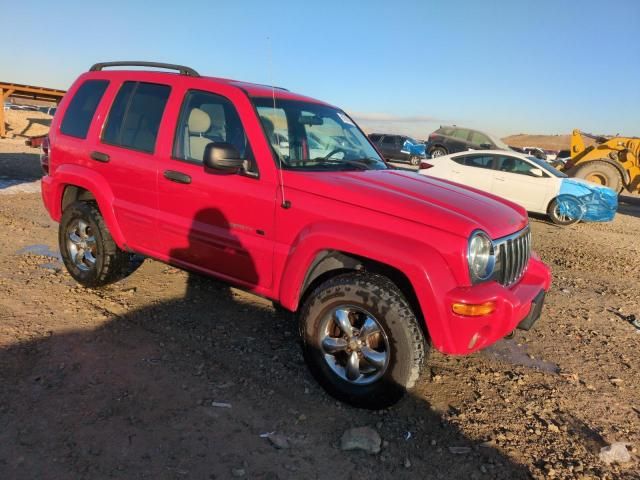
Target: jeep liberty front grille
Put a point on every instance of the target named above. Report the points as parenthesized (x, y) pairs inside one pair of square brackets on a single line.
[(512, 256)]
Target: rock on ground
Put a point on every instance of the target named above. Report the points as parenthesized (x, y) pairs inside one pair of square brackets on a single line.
[(361, 438)]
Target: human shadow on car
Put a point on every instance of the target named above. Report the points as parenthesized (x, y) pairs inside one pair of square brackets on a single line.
[(212, 245)]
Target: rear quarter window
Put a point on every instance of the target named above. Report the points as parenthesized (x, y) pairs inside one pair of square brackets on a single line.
[(478, 161), (82, 107)]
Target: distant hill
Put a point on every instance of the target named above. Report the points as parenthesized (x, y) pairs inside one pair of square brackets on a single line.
[(549, 142)]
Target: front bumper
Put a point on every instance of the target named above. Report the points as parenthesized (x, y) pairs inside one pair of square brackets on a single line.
[(517, 305), (534, 312)]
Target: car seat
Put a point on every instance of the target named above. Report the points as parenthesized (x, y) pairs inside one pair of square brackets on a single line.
[(198, 123), (508, 164)]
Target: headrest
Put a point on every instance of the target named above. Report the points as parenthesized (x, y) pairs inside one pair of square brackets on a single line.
[(268, 124), (199, 121)]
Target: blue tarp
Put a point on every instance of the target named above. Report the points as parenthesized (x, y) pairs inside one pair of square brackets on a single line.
[(414, 149), (580, 200)]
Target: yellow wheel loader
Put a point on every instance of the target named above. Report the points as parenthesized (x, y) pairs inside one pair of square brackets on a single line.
[(612, 161)]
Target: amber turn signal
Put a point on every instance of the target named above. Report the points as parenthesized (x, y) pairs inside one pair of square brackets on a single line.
[(473, 310)]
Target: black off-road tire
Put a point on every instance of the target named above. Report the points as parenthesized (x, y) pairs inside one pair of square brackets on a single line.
[(407, 346), (601, 172), (436, 152), (111, 263)]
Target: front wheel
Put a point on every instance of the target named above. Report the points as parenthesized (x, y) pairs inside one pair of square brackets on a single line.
[(361, 340), (565, 210), (415, 161)]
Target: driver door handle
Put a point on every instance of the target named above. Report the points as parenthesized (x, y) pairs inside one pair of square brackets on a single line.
[(177, 177)]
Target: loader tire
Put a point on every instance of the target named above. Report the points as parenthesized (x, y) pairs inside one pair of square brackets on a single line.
[(602, 173)]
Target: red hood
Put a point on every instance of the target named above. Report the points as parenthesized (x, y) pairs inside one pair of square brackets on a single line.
[(430, 201)]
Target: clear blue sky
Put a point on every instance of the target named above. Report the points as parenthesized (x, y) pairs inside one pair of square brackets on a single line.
[(507, 66)]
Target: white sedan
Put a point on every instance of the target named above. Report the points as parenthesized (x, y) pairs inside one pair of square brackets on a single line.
[(527, 181)]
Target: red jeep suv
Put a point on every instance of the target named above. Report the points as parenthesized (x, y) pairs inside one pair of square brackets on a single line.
[(285, 196)]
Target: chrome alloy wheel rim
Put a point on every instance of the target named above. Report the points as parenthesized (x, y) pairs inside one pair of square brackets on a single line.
[(354, 345), (566, 211), (81, 245), (436, 153)]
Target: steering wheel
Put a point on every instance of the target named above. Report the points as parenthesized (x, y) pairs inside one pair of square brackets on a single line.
[(333, 152)]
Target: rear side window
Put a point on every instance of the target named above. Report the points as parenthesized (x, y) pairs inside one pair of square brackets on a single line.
[(374, 137), (478, 161), (389, 140), (82, 106), (135, 116)]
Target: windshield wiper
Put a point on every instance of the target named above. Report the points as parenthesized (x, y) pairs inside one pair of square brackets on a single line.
[(359, 164)]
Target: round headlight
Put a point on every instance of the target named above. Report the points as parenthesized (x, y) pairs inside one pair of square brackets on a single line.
[(480, 256)]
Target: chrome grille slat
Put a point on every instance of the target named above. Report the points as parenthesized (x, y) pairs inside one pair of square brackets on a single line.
[(514, 262), (520, 254), (513, 254), (508, 261)]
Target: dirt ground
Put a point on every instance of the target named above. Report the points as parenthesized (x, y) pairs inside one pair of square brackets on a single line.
[(22, 123), (121, 382)]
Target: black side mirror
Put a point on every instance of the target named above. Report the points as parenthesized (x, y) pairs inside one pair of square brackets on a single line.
[(486, 146), (222, 156)]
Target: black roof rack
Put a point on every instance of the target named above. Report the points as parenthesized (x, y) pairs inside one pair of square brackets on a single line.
[(190, 72), (240, 83), (272, 86)]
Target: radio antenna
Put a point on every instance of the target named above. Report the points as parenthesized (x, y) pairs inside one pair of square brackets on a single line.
[(285, 203)]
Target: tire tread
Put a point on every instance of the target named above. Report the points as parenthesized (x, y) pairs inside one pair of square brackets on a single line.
[(115, 262), (394, 300)]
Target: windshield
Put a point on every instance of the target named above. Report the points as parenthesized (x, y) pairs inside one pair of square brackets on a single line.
[(546, 167), (310, 136)]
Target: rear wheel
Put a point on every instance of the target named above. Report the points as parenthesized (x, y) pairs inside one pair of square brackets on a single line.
[(88, 251), (361, 340), (565, 210), (437, 152), (602, 173)]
